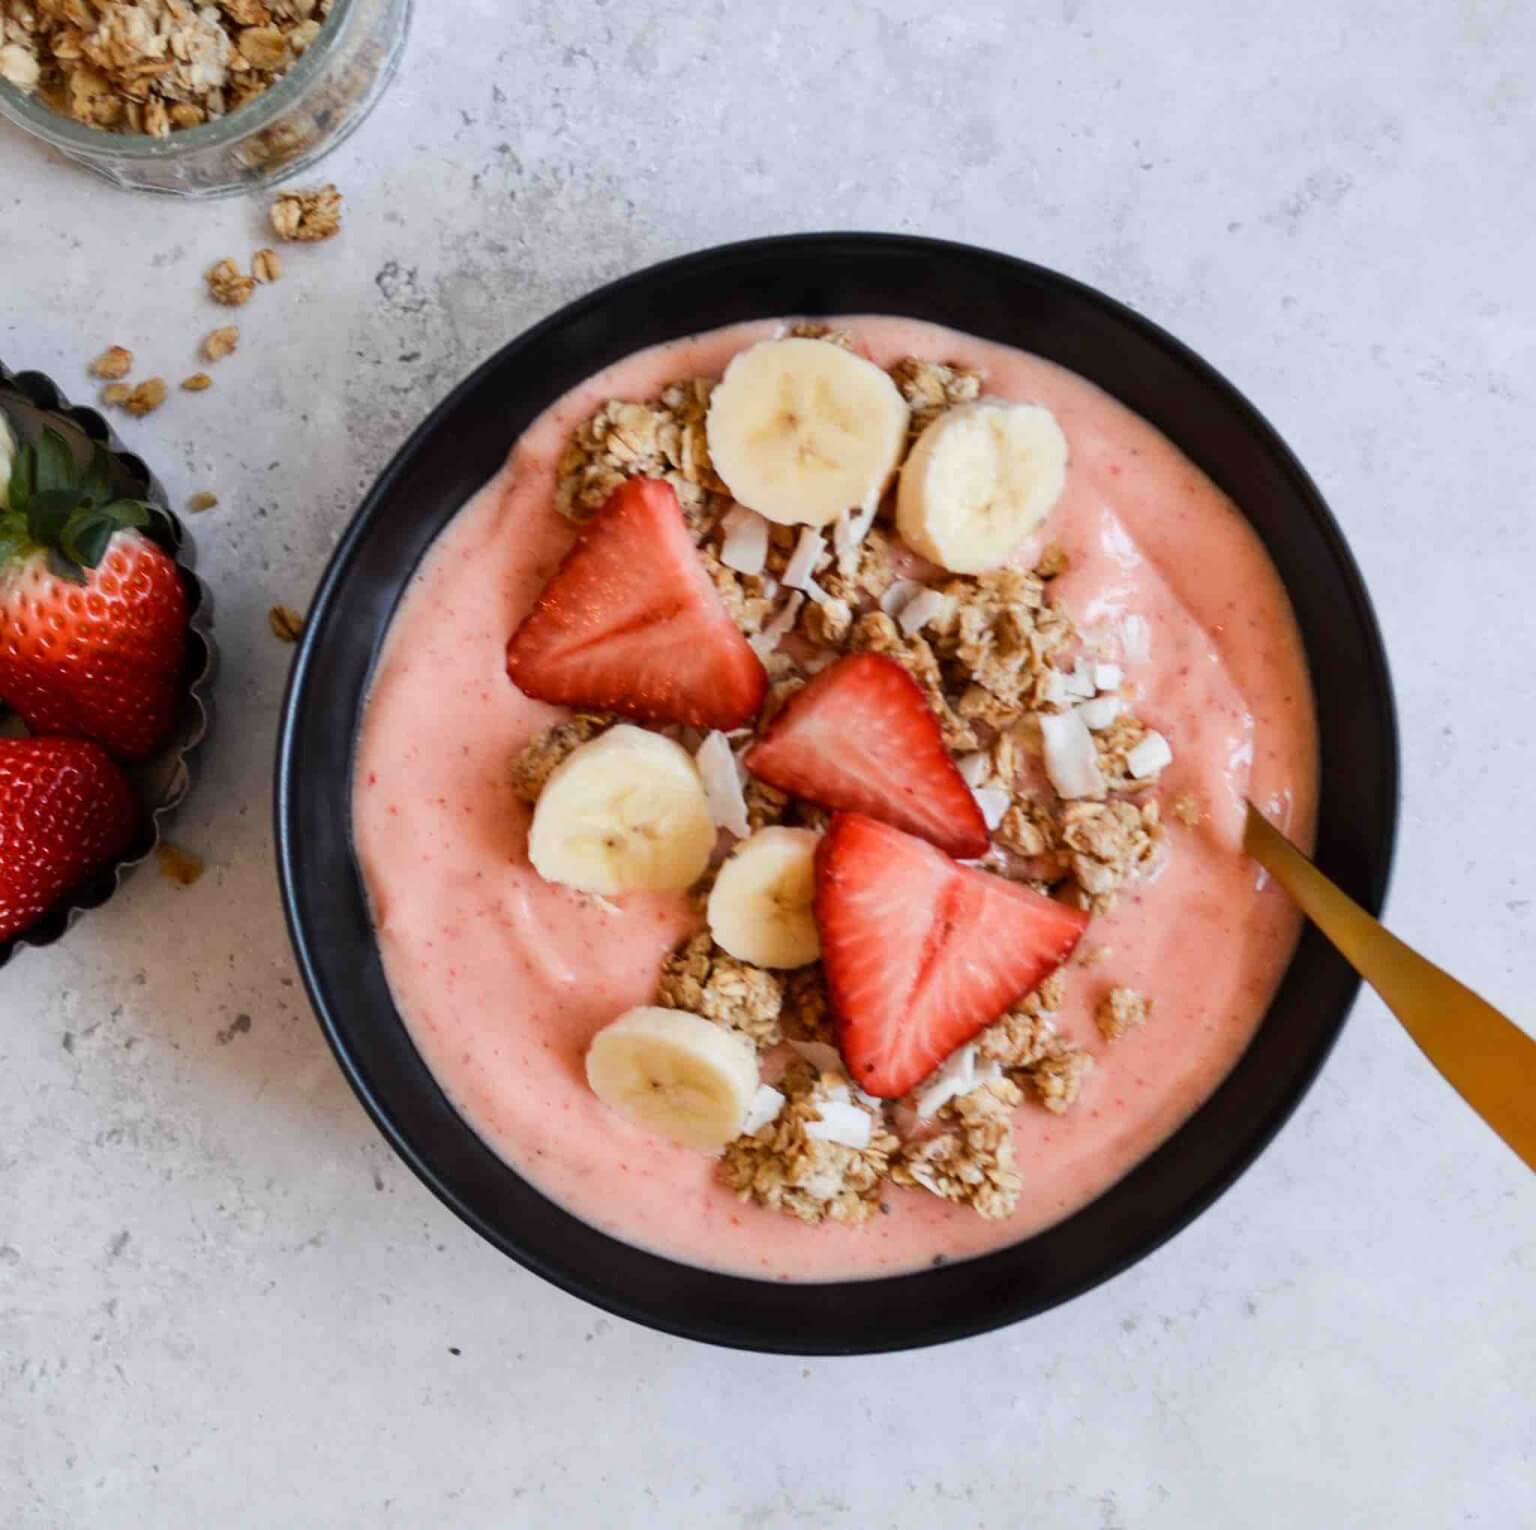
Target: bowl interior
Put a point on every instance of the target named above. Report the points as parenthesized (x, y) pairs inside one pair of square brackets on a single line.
[(465, 442)]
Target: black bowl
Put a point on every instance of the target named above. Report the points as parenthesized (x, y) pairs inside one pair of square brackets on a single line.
[(464, 443)]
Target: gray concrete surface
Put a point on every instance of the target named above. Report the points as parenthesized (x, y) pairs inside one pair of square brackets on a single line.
[(223, 1302)]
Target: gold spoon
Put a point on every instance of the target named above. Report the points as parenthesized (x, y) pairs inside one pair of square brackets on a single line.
[(1487, 1059)]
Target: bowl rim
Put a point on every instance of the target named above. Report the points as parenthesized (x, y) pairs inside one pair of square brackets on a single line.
[(721, 1329)]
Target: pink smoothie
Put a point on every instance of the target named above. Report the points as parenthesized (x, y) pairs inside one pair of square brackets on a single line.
[(503, 979)]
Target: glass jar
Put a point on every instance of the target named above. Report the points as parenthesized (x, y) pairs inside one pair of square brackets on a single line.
[(286, 129)]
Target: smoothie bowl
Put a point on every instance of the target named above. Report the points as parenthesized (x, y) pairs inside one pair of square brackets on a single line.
[(759, 798)]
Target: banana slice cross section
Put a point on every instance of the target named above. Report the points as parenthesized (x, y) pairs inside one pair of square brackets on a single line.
[(676, 1074), (980, 479), (626, 812), (802, 430), (760, 906)]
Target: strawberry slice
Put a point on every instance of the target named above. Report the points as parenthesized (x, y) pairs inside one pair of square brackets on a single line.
[(631, 622), (861, 737), (921, 954)]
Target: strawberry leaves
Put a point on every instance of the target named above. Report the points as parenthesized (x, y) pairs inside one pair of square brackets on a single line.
[(69, 511)]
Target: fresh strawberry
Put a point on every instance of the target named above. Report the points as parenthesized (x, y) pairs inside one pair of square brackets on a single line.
[(631, 622), (861, 737), (921, 954), (66, 812), (93, 615)]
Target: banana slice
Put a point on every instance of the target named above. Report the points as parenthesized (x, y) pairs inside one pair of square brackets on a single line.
[(802, 430), (760, 906), (624, 813), (979, 480), (676, 1074)]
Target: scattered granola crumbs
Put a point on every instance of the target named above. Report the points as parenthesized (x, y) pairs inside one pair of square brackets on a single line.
[(178, 865), (699, 976), (219, 343), (1030, 827), (114, 363), (266, 266), (532, 768), (1053, 562), (970, 1160), (1001, 638), (1026, 1032), (875, 632), (745, 595), (931, 387), (1186, 808), (115, 395), (766, 804), (1114, 745), (147, 397), (826, 623), (286, 624), (1121, 1010), (307, 216), (663, 439), (198, 382), (1058, 1077), (149, 66), (227, 285), (1088, 955), (1109, 844), (204, 499), (783, 1169), (874, 574), (813, 329), (806, 1015)]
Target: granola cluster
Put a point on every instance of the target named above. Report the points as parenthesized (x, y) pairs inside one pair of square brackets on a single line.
[(663, 439), (1025, 1044), (534, 766), (969, 1160), (700, 977), (931, 387), (785, 1168), (152, 66), (1122, 1010)]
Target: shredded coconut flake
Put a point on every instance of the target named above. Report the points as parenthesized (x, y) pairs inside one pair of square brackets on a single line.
[(849, 531), (777, 627), (723, 785), (745, 546), (805, 559), (1100, 712), (994, 803), (924, 607), (1071, 761), (1079, 683), (1108, 677), (841, 1122), (764, 1107), (1152, 754), (899, 592), (975, 768)]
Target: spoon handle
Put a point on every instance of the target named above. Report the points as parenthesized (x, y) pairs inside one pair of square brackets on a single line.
[(1487, 1059)]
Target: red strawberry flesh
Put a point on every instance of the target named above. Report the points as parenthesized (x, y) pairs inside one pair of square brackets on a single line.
[(921, 954), (100, 659), (860, 737), (66, 813), (632, 623)]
